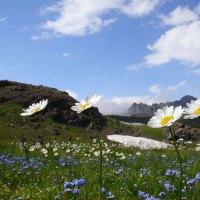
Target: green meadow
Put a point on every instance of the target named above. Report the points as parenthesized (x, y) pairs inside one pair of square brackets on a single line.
[(68, 166)]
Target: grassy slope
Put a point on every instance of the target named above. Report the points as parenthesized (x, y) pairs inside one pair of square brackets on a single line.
[(13, 126)]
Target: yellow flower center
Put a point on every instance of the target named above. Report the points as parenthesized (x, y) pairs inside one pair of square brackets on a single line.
[(84, 106), (36, 109), (166, 120), (197, 111)]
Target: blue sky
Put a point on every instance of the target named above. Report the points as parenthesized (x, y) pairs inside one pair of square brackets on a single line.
[(126, 50)]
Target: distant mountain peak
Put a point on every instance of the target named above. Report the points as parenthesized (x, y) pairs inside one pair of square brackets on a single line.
[(187, 98), (149, 110)]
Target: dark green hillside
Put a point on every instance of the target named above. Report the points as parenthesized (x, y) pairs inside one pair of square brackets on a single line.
[(33, 128), (194, 123), (130, 119), (57, 119), (59, 106)]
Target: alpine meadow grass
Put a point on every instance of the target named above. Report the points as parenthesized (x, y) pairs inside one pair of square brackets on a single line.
[(128, 173)]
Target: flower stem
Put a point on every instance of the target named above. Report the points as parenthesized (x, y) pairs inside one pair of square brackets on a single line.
[(52, 157), (180, 162), (25, 149), (100, 155)]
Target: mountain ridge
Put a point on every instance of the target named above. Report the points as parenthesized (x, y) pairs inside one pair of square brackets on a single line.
[(141, 109)]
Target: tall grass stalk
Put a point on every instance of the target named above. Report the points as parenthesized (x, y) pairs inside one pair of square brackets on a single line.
[(25, 149), (52, 156), (100, 155), (179, 160)]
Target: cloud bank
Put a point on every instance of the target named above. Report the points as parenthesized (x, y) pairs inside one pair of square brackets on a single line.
[(72, 94), (119, 105), (78, 17), (181, 42)]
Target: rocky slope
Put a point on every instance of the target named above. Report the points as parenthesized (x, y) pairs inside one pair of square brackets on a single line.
[(58, 108), (142, 109)]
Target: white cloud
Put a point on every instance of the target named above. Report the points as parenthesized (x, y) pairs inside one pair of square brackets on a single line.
[(65, 54), (177, 86), (196, 72), (78, 17), (72, 94), (154, 89), (181, 15), (180, 43), (3, 19), (44, 36), (119, 105), (139, 8), (135, 67), (167, 91)]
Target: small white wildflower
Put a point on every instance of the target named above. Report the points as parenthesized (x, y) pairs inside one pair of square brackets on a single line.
[(180, 140), (31, 148), (138, 153), (47, 145), (123, 157), (67, 150), (163, 155), (197, 148), (55, 149), (96, 153), (108, 151), (38, 145), (44, 151)]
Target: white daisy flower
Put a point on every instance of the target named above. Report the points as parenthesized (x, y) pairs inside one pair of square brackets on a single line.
[(193, 109), (165, 116), (35, 107), (85, 104)]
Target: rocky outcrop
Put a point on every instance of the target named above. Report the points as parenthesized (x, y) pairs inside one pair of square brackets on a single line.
[(182, 131), (137, 109), (58, 108)]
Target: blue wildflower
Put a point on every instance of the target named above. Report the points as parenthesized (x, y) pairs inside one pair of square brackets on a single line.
[(144, 172), (197, 177), (191, 181), (172, 172), (103, 190), (162, 194), (169, 187), (68, 185), (76, 191)]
